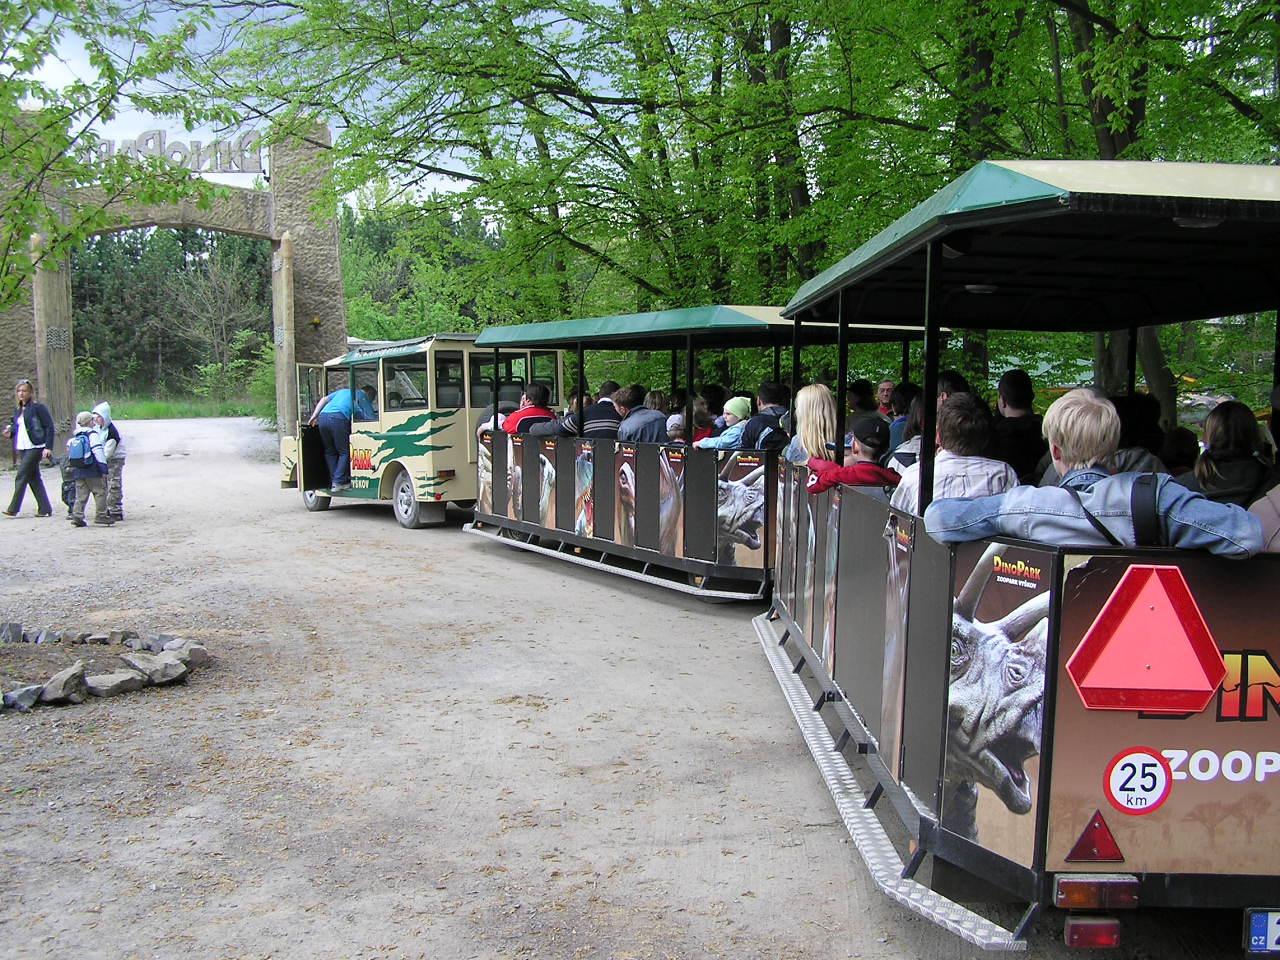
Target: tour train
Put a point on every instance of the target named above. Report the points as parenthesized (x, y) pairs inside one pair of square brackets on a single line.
[(1061, 726)]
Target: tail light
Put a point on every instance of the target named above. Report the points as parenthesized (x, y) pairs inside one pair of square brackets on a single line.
[(447, 474), (1095, 891), (1091, 933)]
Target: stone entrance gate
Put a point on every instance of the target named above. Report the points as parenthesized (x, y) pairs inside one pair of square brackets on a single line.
[(308, 312)]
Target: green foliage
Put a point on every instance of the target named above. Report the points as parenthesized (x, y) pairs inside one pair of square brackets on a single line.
[(54, 183)]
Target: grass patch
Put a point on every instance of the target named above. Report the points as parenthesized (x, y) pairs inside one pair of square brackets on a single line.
[(128, 408)]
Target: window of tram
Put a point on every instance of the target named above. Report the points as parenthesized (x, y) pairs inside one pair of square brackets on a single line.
[(404, 383), (512, 376), (336, 378), (449, 385), (366, 375), (544, 371)]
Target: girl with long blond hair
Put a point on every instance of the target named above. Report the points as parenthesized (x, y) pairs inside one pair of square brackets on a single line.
[(815, 425)]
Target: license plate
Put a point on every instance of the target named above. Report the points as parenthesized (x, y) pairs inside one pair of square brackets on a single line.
[(1262, 931)]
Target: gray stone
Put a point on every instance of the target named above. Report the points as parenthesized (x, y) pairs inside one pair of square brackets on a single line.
[(189, 652), (114, 684), (159, 669), (10, 633), (48, 636), (117, 636), (102, 638), (136, 643), (66, 686), (23, 699), (78, 638), (155, 642)]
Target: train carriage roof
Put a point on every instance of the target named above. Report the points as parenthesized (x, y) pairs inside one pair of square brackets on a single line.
[(714, 325), (382, 349), (1070, 245)]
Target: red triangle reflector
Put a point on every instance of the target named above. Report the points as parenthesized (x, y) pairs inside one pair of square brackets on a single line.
[(1096, 843)]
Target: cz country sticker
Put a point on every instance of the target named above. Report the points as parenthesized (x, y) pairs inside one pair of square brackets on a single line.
[(1137, 781)]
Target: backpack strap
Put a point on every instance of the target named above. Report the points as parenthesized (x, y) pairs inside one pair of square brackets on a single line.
[(1098, 525), (1146, 519)]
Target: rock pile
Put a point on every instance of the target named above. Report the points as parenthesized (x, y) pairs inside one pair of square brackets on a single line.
[(152, 661)]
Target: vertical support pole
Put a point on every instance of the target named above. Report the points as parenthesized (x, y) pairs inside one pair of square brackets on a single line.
[(906, 362), (675, 369), (688, 401), (777, 364), (795, 358), (1131, 359), (1275, 382), (929, 420), (496, 381), (842, 373), (582, 386)]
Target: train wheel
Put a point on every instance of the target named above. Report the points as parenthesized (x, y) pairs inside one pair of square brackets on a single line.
[(314, 500), (408, 510)]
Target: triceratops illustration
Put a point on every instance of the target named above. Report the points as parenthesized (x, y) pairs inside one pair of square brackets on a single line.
[(995, 702), (739, 507)]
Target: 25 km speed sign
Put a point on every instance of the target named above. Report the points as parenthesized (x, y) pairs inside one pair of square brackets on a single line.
[(1137, 780)]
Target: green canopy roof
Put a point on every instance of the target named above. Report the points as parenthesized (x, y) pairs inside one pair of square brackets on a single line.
[(1070, 245), (379, 349), (722, 326)]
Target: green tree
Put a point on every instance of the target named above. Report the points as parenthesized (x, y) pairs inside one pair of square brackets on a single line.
[(54, 182)]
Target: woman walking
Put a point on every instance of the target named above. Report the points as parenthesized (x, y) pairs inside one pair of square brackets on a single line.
[(32, 434)]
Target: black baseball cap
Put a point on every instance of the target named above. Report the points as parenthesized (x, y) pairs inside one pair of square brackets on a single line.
[(872, 431)]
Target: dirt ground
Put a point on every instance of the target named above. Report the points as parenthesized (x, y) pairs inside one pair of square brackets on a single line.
[(414, 744)]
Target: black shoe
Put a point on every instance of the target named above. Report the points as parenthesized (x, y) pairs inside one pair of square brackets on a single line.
[(8, 513), (77, 522), (103, 521)]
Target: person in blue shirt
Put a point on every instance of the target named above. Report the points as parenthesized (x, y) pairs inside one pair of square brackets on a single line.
[(333, 415)]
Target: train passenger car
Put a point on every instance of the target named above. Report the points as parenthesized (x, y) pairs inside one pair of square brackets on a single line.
[(1086, 727), (418, 452)]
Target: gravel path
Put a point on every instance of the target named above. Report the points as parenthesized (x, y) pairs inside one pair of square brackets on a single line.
[(379, 762)]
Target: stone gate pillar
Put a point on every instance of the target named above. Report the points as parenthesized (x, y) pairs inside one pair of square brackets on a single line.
[(55, 369), (283, 336), (299, 168)]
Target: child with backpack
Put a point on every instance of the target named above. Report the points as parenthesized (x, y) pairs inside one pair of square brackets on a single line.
[(113, 444), (88, 462)]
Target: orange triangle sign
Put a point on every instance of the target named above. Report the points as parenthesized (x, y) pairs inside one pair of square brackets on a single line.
[(1096, 844)]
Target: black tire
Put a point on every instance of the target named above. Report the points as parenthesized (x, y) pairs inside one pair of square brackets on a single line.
[(315, 501), (405, 502)]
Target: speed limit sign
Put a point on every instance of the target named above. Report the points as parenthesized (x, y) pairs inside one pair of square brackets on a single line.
[(1137, 780)]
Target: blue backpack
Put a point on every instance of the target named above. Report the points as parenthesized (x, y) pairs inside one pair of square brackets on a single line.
[(80, 452)]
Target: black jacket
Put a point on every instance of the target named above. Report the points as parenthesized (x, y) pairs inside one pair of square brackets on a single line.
[(39, 424), (1242, 479), (601, 423)]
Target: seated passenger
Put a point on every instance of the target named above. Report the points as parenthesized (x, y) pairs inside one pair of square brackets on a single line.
[(533, 409), (1236, 466), (1016, 437), (884, 390), (959, 470), (736, 412), (640, 424), (815, 424), (675, 429), (599, 419), (764, 431), (900, 406), (1180, 451), (1092, 507), (505, 409), (867, 444), (1140, 439)]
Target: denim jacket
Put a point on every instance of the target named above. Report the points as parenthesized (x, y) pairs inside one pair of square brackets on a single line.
[(1052, 515)]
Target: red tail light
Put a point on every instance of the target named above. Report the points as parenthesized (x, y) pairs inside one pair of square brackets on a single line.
[(1091, 933)]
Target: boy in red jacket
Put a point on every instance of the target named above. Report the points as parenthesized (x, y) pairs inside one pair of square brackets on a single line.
[(868, 441)]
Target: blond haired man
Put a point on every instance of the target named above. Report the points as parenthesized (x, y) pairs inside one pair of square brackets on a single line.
[(1091, 507)]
